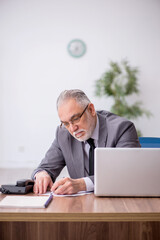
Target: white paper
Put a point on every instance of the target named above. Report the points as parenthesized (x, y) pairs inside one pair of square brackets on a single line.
[(68, 195), (24, 201)]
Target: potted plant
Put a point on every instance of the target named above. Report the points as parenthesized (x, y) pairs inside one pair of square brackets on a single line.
[(119, 82)]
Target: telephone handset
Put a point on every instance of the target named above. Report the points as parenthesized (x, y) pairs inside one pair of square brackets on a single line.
[(22, 186)]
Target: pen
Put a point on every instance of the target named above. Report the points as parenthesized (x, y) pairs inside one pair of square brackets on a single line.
[(48, 201)]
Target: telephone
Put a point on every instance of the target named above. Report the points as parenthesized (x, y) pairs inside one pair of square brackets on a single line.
[(22, 186)]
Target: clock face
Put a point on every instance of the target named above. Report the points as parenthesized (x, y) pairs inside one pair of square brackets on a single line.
[(76, 48)]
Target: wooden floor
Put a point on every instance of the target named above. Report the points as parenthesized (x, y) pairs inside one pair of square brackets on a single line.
[(11, 175)]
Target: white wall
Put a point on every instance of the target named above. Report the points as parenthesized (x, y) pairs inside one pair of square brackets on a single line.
[(35, 66)]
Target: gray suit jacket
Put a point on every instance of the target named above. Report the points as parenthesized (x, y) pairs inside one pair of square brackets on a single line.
[(114, 131)]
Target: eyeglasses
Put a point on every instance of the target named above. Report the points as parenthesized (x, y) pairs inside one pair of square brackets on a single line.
[(74, 119)]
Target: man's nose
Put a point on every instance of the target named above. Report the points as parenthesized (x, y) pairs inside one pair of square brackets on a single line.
[(73, 127)]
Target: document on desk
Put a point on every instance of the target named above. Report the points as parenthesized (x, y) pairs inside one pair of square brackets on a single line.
[(26, 201), (68, 195)]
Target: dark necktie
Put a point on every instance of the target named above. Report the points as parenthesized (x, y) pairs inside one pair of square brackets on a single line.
[(91, 156)]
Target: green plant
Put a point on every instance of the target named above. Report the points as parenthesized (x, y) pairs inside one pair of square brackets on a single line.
[(119, 82)]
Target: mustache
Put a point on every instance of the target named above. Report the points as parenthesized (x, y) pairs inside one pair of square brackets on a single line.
[(78, 131)]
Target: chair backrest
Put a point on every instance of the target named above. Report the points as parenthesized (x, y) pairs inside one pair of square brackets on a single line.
[(149, 142)]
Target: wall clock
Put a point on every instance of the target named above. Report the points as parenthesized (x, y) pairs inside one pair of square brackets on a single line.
[(76, 48)]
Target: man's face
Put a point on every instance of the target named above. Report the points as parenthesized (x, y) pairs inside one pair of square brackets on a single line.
[(70, 110)]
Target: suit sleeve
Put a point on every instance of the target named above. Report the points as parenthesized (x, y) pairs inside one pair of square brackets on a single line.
[(53, 161)]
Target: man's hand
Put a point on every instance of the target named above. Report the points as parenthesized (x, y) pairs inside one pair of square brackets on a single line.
[(68, 186), (42, 182)]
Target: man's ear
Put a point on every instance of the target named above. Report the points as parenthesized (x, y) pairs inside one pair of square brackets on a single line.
[(91, 109)]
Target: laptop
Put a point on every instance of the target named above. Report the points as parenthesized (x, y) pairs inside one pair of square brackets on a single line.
[(133, 172)]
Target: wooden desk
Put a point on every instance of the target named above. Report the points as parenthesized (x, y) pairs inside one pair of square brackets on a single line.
[(84, 217)]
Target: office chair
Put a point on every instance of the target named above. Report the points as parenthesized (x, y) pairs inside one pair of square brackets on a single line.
[(149, 142)]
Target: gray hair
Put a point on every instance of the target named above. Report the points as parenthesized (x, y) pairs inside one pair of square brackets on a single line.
[(76, 94)]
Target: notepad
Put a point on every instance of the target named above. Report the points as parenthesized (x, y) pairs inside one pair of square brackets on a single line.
[(26, 201)]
